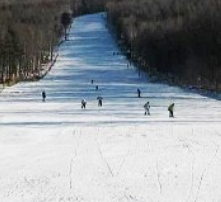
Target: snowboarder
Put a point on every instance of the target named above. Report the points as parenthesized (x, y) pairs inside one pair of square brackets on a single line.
[(138, 92), (99, 101), (96, 87), (92, 81), (147, 108), (83, 104), (43, 96), (170, 109)]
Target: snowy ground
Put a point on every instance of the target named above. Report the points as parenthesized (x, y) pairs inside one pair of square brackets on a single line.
[(57, 152)]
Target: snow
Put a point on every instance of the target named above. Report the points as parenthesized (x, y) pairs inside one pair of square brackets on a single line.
[(56, 151)]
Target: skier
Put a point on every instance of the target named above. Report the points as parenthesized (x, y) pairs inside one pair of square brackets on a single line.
[(96, 87), (99, 101), (170, 109), (83, 104), (43, 96), (138, 92), (147, 108), (92, 81)]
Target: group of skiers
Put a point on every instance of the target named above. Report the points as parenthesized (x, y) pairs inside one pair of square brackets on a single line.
[(147, 109), (99, 98), (100, 102), (83, 102), (147, 106), (92, 82)]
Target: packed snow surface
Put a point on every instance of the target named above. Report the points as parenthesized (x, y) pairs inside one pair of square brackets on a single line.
[(54, 151)]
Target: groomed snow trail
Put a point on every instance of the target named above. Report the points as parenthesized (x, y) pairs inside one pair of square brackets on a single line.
[(57, 152)]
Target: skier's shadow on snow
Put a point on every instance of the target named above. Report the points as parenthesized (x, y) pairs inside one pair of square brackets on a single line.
[(117, 122)]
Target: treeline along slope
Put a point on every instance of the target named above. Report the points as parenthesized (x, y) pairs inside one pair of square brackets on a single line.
[(29, 31), (179, 38)]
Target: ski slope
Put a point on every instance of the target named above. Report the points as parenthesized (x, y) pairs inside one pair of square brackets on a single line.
[(57, 152)]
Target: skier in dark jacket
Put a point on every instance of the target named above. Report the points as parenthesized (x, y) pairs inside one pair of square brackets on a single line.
[(170, 109), (43, 96), (83, 104), (147, 108), (100, 102), (138, 93)]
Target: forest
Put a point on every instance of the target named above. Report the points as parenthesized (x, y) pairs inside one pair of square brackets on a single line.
[(179, 40), (29, 33), (175, 40)]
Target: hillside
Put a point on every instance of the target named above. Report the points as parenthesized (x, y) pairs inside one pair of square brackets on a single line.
[(56, 151), (180, 39), (29, 33)]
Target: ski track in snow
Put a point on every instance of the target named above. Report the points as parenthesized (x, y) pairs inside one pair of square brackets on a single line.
[(55, 151)]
